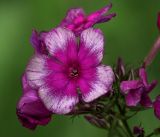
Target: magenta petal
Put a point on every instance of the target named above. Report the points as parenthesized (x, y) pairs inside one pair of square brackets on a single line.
[(69, 53), (57, 81), (106, 18), (105, 9), (156, 106), (42, 70), (58, 41), (25, 85), (31, 111), (61, 101), (91, 46), (37, 40), (96, 87), (133, 97), (146, 101), (151, 86), (30, 101), (71, 16), (37, 70), (87, 61), (129, 85), (96, 15), (100, 17), (143, 76)]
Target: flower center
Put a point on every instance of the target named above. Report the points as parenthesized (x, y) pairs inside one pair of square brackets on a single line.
[(73, 72)]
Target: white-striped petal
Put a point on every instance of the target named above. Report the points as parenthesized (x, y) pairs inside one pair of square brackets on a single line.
[(100, 86), (92, 42), (36, 71), (58, 39)]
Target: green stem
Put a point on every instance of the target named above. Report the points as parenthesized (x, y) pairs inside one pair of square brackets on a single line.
[(119, 133), (124, 121), (128, 117), (127, 128), (124, 129)]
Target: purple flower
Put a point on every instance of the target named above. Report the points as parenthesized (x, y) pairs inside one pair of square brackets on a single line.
[(156, 106), (158, 21), (72, 71), (30, 109), (37, 40), (136, 91), (77, 21)]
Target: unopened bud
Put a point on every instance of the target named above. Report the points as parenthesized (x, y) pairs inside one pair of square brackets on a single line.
[(138, 131), (100, 123), (155, 48), (152, 53), (120, 67)]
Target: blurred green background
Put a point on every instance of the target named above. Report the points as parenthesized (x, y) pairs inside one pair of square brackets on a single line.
[(129, 35)]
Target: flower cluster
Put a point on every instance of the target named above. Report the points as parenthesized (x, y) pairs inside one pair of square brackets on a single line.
[(66, 76), (66, 68)]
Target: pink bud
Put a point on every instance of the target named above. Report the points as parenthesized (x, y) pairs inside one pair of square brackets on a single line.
[(153, 52)]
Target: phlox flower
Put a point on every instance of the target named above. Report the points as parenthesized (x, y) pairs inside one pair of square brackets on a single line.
[(71, 71), (136, 91), (77, 21)]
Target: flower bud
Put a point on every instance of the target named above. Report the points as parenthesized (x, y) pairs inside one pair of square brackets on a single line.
[(101, 123), (30, 109), (154, 49), (120, 69), (156, 106), (138, 131), (152, 53)]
